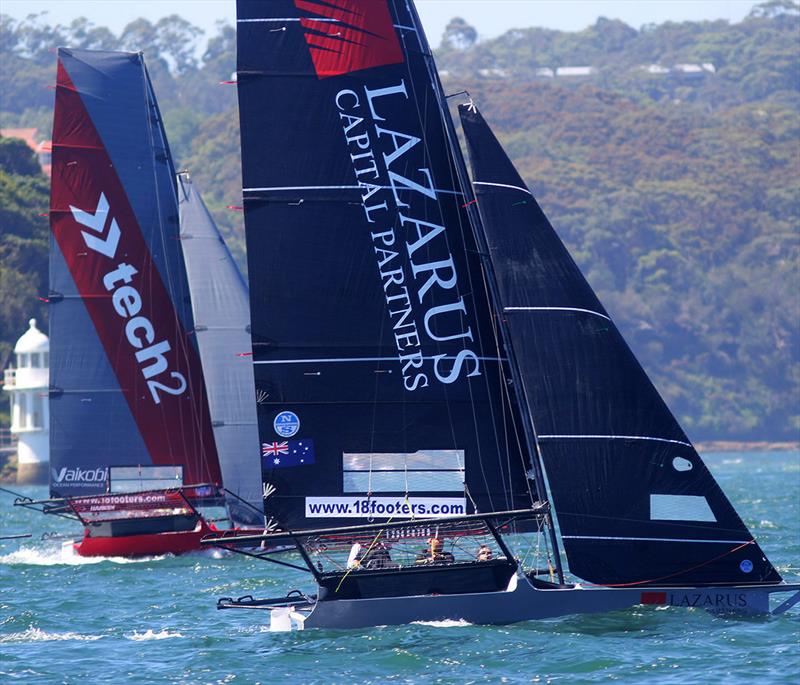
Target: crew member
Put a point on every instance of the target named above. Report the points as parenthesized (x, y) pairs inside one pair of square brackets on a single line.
[(484, 553)]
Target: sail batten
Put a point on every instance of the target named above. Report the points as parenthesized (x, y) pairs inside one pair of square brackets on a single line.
[(628, 488), (613, 437)]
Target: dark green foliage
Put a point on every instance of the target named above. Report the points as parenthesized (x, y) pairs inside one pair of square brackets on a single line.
[(677, 194), (17, 158), (24, 197)]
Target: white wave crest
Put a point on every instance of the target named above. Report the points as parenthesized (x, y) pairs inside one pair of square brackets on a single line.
[(446, 623), (33, 634), (64, 556), (150, 635)]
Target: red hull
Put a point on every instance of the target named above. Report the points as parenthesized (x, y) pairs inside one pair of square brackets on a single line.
[(153, 544)]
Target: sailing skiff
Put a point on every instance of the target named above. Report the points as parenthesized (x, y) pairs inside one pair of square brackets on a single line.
[(151, 409), (443, 402)]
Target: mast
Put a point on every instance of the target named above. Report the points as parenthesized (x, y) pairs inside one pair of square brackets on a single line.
[(475, 221)]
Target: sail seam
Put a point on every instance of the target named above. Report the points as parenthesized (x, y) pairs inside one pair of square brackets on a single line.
[(613, 437), (608, 537), (501, 185), (268, 20), (557, 309), (361, 359), (348, 187)]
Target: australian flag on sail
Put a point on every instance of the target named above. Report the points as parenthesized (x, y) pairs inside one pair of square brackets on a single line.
[(276, 455)]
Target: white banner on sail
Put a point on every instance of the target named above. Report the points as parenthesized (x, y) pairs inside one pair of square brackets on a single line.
[(384, 507)]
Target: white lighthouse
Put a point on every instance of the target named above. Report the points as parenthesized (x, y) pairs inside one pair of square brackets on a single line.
[(30, 416)]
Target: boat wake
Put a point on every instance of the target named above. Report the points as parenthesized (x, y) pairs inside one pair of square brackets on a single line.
[(33, 634), (32, 556), (150, 635), (447, 623)]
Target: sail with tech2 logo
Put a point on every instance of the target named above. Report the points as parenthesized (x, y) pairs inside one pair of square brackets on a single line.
[(126, 381), (373, 333)]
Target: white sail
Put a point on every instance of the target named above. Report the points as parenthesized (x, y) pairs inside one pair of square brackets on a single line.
[(221, 311)]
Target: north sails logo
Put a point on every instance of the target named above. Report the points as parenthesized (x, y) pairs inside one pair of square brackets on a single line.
[(127, 301), (349, 35), (79, 476)]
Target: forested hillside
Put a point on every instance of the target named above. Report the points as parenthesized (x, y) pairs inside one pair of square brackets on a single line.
[(669, 163), (24, 196)]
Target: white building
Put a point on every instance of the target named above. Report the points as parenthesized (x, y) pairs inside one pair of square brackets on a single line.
[(576, 72), (28, 385)]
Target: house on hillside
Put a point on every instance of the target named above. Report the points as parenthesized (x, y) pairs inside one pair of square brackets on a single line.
[(42, 148), (576, 72), (494, 72)]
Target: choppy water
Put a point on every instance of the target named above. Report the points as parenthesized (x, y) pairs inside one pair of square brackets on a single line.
[(154, 621)]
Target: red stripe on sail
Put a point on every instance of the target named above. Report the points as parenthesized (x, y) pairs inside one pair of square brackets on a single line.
[(177, 430), (361, 35)]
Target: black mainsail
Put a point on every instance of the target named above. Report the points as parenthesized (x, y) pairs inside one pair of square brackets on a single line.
[(382, 390), (633, 498)]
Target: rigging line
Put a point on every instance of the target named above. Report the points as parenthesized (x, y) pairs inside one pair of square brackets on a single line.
[(614, 437), (365, 555), (502, 185), (555, 309), (638, 539), (542, 483), (202, 464), (461, 169), (424, 139), (504, 393), (495, 326), (375, 405), (677, 573), (455, 181)]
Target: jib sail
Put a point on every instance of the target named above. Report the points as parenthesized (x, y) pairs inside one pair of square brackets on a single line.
[(221, 311), (381, 388), (126, 382), (634, 501)]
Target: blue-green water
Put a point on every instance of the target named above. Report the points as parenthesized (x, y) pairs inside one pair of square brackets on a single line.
[(154, 621)]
